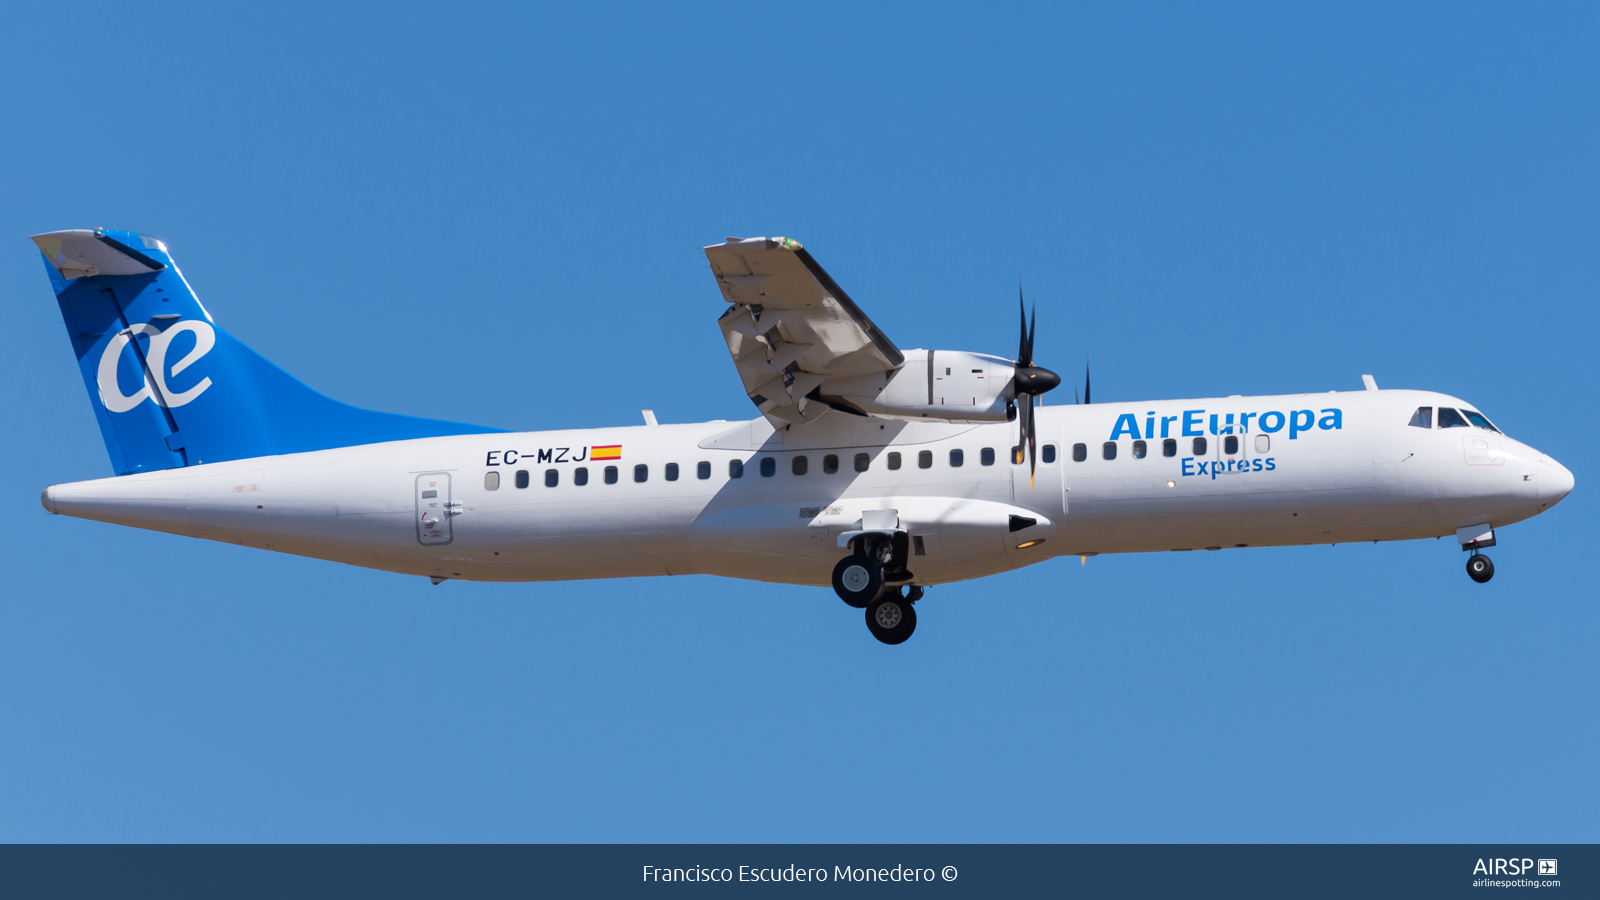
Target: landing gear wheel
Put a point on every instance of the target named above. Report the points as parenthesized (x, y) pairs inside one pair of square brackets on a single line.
[(891, 619), (857, 580), (1480, 568), (913, 593)]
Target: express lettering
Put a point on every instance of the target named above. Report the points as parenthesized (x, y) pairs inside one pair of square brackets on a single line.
[(1215, 467)]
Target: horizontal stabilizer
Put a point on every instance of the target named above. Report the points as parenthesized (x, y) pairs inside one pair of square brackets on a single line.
[(80, 252)]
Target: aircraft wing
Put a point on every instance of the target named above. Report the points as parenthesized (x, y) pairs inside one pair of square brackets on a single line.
[(791, 328)]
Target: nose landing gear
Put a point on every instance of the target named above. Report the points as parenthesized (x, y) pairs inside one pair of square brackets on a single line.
[(1480, 568)]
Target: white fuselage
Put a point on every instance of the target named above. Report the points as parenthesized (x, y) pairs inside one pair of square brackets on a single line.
[(1366, 476)]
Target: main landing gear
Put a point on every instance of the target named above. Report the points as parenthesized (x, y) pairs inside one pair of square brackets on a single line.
[(1480, 568), (891, 618), (857, 580), (874, 578)]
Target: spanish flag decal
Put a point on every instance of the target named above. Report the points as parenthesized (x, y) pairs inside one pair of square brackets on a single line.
[(614, 451)]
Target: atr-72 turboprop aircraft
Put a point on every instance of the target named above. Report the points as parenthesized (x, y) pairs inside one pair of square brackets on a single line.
[(892, 470)]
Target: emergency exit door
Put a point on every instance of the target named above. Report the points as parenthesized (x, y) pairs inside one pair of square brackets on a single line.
[(434, 510)]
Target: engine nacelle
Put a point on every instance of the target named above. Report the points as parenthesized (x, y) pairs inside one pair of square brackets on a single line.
[(934, 384)]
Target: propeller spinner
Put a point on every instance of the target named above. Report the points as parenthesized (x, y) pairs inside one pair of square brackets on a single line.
[(1028, 383)]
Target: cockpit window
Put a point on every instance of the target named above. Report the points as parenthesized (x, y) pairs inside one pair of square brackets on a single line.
[(1449, 418), (1422, 418), (1477, 419)]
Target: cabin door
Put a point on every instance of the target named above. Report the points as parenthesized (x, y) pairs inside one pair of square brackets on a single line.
[(434, 510)]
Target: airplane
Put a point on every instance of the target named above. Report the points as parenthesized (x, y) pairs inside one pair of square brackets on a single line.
[(880, 471)]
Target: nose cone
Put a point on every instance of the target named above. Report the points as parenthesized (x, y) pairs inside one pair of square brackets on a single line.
[(1556, 483)]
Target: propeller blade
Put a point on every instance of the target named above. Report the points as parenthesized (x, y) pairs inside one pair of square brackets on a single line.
[(1023, 356), (1033, 462), (1031, 329), (1029, 382), (1022, 429)]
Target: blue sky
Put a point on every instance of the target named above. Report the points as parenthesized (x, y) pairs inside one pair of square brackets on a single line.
[(1204, 200)]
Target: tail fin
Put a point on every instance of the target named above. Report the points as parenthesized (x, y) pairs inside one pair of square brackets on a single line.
[(169, 387)]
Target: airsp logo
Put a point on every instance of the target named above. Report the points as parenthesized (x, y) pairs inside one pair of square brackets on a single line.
[(111, 393)]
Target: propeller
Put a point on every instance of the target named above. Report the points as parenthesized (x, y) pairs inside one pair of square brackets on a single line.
[(1027, 384)]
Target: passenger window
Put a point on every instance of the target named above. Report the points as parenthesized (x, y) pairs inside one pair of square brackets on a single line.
[(1108, 450), (1139, 449), (641, 473), (735, 468), (580, 476), (925, 459), (863, 462), (830, 464), (1422, 418), (703, 471), (1199, 446), (957, 458), (1049, 453), (1080, 452), (491, 481), (894, 460), (552, 477), (672, 471), (1230, 445), (986, 456), (798, 465), (611, 474), (1263, 443), (769, 467), (1169, 447), (522, 478), (1478, 419), (1449, 418)]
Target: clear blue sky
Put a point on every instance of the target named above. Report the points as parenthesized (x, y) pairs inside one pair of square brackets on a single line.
[(494, 214)]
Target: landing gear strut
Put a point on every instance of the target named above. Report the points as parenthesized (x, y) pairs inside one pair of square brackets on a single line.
[(1480, 568)]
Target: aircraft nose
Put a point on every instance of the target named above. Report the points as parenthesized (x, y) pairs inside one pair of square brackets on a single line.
[(1557, 485)]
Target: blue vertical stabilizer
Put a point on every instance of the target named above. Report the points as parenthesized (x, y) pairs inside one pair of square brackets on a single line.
[(169, 387)]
